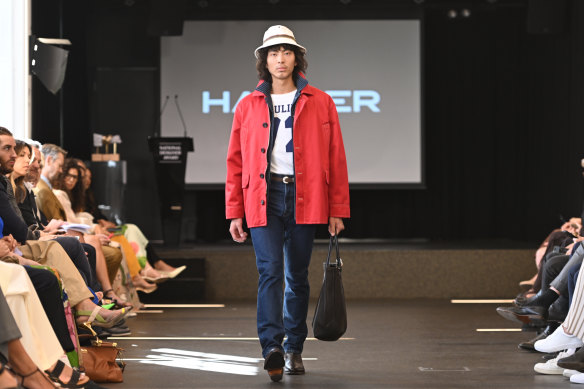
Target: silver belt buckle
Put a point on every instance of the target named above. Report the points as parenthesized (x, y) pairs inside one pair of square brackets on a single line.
[(286, 180)]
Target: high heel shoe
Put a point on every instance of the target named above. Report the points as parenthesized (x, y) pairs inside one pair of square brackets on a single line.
[(174, 273), (157, 280)]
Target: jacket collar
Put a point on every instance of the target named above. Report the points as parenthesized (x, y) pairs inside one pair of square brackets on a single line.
[(264, 87)]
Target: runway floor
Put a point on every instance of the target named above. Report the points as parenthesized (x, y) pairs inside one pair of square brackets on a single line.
[(389, 344)]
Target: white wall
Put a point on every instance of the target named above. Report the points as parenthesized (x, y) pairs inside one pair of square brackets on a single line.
[(14, 78)]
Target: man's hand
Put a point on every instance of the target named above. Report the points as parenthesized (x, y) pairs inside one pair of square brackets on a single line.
[(236, 230), (335, 225)]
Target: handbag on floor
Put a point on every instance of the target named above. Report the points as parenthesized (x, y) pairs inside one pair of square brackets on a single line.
[(101, 360), (330, 316)]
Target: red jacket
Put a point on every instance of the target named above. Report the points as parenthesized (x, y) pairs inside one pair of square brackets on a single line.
[(320, 165)]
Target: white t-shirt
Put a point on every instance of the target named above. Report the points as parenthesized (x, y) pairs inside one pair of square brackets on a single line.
[(283, 151)]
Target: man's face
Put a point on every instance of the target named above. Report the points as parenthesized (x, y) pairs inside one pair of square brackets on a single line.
[(34, 169), (54, 166), (280, 63), (7, 154)]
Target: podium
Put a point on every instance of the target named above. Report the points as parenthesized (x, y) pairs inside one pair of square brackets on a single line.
[(170, 161)]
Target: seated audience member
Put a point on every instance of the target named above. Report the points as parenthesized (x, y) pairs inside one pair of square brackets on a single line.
[(554, 291), (12, 352), (68, 188), (68, 183), (549, 306), (16, 191), (49, 252), (569, 335), (556, 243), (146, 253), (49, 205), (37, 335)]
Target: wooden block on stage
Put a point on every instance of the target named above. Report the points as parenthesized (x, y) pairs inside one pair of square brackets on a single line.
[(105, 157), (110, 157)]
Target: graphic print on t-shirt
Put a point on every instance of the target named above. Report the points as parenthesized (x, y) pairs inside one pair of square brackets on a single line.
[(282, 153)]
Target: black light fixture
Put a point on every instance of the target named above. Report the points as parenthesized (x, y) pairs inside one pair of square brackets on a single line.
[(48, 61)]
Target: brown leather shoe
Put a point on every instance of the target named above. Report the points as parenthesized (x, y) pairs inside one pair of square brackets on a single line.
[(274, 364), (293, 364)]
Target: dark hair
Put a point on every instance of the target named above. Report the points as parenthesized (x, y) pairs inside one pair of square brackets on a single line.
[(4, 131), (262, 61), (76, 195), (20, 190)]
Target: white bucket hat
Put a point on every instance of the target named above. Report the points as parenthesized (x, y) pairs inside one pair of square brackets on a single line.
[(278, 35)]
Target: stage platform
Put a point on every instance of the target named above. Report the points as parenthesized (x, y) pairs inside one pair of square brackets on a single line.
[(373, 269), (405, 344)]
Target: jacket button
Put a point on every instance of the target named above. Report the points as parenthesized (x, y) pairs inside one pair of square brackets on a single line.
[(262, 202), (263, 150), (262, 175), (265, 125)]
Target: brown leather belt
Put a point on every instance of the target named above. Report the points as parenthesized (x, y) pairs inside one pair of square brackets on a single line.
[(284, 179)]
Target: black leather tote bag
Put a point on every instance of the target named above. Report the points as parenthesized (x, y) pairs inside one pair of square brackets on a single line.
[(330, 316)]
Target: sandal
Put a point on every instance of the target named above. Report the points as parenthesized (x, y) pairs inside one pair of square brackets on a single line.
[(25, 376), (97, 320), (73, 381)]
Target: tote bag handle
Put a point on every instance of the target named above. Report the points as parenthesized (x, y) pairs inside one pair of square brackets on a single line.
[(339, 262)]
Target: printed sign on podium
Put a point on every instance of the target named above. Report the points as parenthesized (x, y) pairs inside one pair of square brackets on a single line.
[(170, 159)]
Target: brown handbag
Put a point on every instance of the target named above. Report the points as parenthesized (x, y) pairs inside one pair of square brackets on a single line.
[(100, 361)]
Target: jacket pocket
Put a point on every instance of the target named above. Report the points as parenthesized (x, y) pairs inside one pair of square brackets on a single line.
[(245, 181)]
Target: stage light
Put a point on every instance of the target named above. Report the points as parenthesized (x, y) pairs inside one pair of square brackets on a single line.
[(465, 13), (452, 14), (49, 62)]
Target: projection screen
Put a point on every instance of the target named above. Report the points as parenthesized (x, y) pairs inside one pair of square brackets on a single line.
[(371, 69)]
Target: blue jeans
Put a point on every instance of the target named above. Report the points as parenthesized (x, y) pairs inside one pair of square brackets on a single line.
[(282, 246)]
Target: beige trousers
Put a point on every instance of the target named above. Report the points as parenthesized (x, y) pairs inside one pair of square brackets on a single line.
[(50, 253), (38, 338)]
